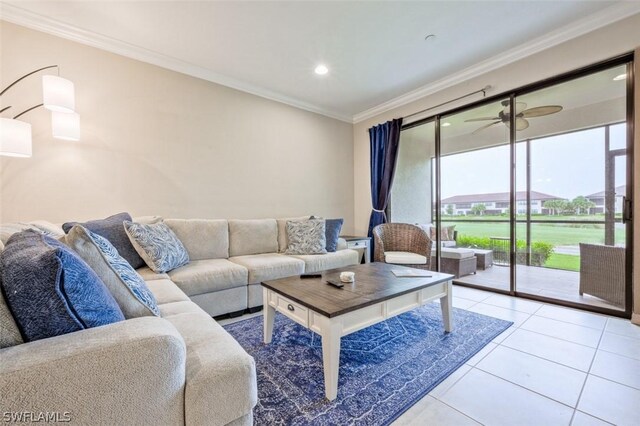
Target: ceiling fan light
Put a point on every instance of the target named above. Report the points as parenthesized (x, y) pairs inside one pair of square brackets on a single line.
[(15, 138), (65, 126), (58, 94)]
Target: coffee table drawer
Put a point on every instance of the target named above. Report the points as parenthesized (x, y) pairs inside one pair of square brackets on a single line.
[(293, 310)]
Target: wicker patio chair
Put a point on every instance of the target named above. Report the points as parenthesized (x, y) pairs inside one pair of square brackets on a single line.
[(602, 272), (401, 237)]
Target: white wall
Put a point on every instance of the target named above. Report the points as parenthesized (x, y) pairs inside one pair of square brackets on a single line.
[(158, 142), (412, 183)]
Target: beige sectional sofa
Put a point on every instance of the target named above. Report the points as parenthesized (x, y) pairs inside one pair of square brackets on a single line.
[(182, 368), (229, 260)]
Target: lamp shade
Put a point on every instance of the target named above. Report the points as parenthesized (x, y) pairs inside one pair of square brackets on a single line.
[(65, 125), (58, 94), (15, 138)]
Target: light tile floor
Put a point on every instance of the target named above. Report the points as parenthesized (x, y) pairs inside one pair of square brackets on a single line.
[(554, 366)]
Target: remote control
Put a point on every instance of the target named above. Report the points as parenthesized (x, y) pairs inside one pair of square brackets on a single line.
[(336, 284), (311, 276)]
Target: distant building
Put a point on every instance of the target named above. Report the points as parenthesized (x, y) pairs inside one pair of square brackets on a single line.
[(497, 203), (598, 199)]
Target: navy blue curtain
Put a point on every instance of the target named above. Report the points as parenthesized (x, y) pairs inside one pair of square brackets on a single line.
[(384, 140)]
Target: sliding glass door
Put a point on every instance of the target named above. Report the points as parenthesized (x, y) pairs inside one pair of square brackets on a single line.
[(475, 195), (575, 163), (528, 193)]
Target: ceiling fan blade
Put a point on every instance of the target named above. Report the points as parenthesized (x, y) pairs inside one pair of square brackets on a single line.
[(485, 126), (481, 119), (541, 110), (521, 123)]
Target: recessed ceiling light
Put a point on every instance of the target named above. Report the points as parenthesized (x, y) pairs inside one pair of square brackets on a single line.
[(321, 69), (446, 124), (620, 77)]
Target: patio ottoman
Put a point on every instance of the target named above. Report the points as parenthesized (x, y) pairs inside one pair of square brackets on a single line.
[(485, 258), (456, 261)]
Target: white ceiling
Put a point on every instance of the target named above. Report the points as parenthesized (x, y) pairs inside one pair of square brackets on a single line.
[(375, 51)]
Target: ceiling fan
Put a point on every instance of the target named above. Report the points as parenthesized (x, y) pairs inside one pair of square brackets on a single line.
[(522, 113)]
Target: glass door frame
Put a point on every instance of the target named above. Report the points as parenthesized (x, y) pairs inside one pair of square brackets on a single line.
[(627, 219)]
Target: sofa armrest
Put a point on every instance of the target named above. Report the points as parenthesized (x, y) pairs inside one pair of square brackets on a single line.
[(342, 244), (124, 373)]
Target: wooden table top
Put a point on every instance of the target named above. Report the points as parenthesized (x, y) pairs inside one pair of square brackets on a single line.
[(374, 283)]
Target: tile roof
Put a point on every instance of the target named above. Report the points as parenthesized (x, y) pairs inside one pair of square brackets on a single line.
[(620, 190), (497, 197)]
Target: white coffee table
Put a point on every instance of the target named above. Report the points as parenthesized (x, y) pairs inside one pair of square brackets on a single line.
[(376, 295)]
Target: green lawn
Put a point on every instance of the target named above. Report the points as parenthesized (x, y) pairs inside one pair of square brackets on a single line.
[(556, 234), (563, 261)]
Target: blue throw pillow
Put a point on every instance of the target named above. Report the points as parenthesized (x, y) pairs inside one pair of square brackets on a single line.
[(112, 229), (50, 290), (332, 232)]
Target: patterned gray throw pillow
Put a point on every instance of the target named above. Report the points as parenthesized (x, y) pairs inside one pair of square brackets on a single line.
[(156, 243), (125, 284), (306, 237)]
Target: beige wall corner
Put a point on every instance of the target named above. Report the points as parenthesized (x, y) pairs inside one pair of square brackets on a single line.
[(157, 142), (636, 192)]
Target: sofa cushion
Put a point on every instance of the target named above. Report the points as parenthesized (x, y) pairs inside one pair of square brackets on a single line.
[(455, 253), (50, 290), (148, 275), (321, 262), (158, 245), (252, 237), (269, 266), (217, 369), (9, 333), (166, 291), (42, 226), (404, 258), (283, 241), (306, 237), (204, 276), (179, 307), (124, 283), (147, 219), (203, 239), (112, 229)]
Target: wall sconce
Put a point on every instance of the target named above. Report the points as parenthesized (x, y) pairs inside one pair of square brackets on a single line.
[(58, 96)]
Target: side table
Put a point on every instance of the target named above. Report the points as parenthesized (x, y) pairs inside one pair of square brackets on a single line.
[(359, 243)]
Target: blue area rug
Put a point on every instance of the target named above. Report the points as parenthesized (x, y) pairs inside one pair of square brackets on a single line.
[(384, 369)]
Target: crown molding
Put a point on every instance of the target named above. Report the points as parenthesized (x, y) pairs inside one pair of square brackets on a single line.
[(19, 16), (25, 18), (583, 26)]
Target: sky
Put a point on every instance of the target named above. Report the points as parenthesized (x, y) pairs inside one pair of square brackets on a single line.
[(565, 166)]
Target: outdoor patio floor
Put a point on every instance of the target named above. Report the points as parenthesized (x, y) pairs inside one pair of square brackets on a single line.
[(547, 282)]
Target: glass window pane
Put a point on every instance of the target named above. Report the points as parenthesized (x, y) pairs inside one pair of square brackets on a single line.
[(475, 191), (576, 160)]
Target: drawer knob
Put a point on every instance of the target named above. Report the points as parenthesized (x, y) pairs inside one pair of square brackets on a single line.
[(290, 307)]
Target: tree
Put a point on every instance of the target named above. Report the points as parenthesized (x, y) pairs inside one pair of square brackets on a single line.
[(559, 206), (450, 209), (478, 209), (582, 205), (552, 206)]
